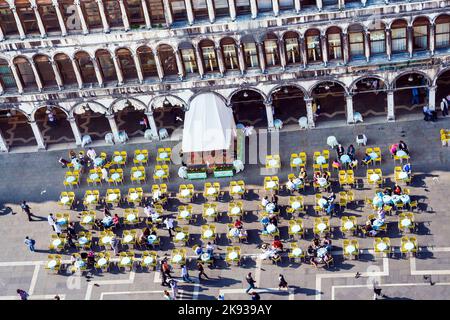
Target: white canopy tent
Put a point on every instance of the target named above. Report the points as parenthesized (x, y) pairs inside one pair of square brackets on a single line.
[(208, 125)]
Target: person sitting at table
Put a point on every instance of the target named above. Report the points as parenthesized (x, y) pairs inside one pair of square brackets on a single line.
[(336, 164), (210, 248), (316, 243), (265, 222), (271, 226), (265, 201), (381, 214), (402, 146), (275, 199), (313, 261), (104, 174), (82, 158), (351, 152), (90, 259), (340, 150), (107, 221), (198, 251), (273, 219), (238, 224), (277, 245), (106, 212), (290, 185), (298, 182), (116, 221), (367, 159), (387, 191), (69, 240), (397, 190), (407, 168), (331, 198), (327, 259), (310, 252), (302, 174), (63, 162), (71, 230), (393, 149), (353, 164), (72, 154), (91, 154), (316, 177), (98, 224), (148, 210), (73, 259), (368, 229)]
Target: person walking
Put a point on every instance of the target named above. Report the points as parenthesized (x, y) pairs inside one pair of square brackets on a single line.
[(167, 295), (51, 221), (282, 283), (163, 276), (166, 268), (57, 229), (174, 286), (201, 271), (26, 208), (30, 243), (115, 245), (250, 281), (255, 296), (185, 274), (169, 225), (22, 294), (444, 107)]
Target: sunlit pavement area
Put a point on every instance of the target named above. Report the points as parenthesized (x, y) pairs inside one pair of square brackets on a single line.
[(38, 178)]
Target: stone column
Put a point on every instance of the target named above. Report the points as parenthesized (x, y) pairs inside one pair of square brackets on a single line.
[(211, 12), (16, 77), (254, 8), (269, 113), (388, 44), (432, 38), (101, 9), (309, 112), (302, 44), (432, 97), (189, 11), (220, 61), (282, 51), (297, 6), (36, 75), (341, 4), (319, 4), (18, 22), (152, 123), (232, 7), (390, 105), (81, 16), (262, 58), (349, 108), (60, 17), (126, 23), (77, 73), (167, 13), (276, 8), (118, 69), (240, 50), (2, 36), (38, 135), (114, 128), (180, 65), (159, 66), (75, 130), (39, 20), (3, 144), (367, 45), (410, 34), (345, 47), (199, 57), (138, 66), (148, 22), (58, 78), (2, 90), (323, 39), (97, 72)]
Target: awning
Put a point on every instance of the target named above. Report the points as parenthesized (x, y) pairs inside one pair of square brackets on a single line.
[(208, 125)]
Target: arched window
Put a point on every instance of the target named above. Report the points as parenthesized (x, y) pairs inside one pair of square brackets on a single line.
[(86, 67), (334, 38), (229, 53), (156, 8), (91, 14), (221, 8), (147, 60), (443, 31), (399, 36), (377, 38), (168, 60), (45, 71), (6, 76), (7, 21), (126, 63), (188, 57), (313, 47), (27, 17), (356, 41), (421, 34), (264, 5), (178, 8), (250, 53), (243, 7), (25, 72), (271, 52), (48, 16), (292, 48), (70, 15), (106, 65), (65, 68), (113, 13), (209, 57), (200, 9), (135, 13)]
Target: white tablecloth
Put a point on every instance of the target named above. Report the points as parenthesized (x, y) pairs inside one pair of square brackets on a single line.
[(233, 255), (65, 199), (405, 222), (128, 238), (118, 158), (177, 258), (115, 176), (297, 252), (112, 196), (134, 196), (82, 240), (374, 177), (57, 242), (348, 225), (236, 189), (159, 173), (235, 210), (210, 211), (208, 233), (51, 264), (137, 174), (321, 160), (70, 179), (322, 182), (163, 155), (94, 176), (403, 175), (295, 205), (91, 198), (271, 184), (400, 153), (296, 228), (271, 228), (185, 192), (106, 239), (87, 219), (321, 226), (102, 261), (131, 217), (350, 249), (125, 260), (211, 191), (409, 246), (184, 214), (140, 157), (148, 260), (381, 246), (345, 158), (180, 236), (322, 202)]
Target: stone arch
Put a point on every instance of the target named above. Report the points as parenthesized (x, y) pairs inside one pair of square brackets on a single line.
[(246, 89), (43, 105), (172, 97), (98, 107), (311, 90), (441, 72), (206, 91), (117, 104), (403, 73), (353, 84), (287, 84)]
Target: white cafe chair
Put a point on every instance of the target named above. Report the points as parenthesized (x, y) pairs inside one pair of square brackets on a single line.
[(303, 122), (109, 138)]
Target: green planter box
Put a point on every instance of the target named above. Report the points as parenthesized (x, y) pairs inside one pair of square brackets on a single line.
[(196, 175), (222, 173)]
